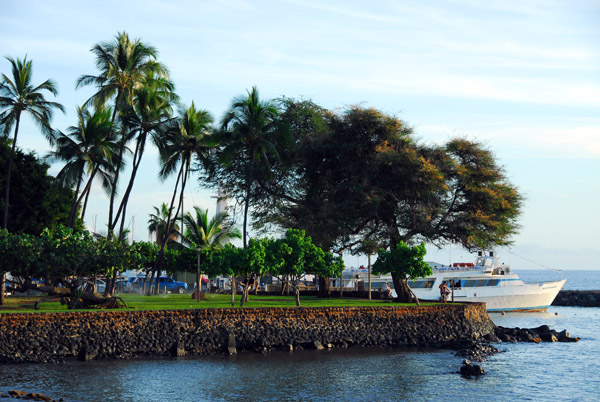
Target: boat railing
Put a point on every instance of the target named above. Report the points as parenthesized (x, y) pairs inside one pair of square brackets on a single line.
[(454, 269)]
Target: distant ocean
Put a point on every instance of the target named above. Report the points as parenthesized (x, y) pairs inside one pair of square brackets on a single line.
[(576, 279)]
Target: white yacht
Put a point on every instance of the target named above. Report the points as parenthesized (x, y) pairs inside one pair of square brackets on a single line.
[(484, 281)]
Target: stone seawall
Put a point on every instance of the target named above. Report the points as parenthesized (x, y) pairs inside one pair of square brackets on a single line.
[(578, 298), (48, 337)]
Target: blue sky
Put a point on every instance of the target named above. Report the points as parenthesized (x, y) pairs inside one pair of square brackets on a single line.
[(521, 77)]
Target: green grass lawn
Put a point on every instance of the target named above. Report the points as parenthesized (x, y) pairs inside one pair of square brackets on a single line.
[(177, 301)]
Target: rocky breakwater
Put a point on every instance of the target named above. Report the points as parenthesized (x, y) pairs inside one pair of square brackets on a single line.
[(578, 298), (480, 349), (124, 334)]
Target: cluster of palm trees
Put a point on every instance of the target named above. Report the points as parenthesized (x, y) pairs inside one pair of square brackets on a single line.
[(136, 101), (199, 230)]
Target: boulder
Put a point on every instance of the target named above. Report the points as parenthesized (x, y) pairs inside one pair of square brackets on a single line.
[(469, 369)]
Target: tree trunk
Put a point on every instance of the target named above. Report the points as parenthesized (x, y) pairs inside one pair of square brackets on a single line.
[(113, 191), (87, 195), (369, 276), (183, 172), (232, 282), (245, 292), (76, 199), (247, 203), (2, 282), (137, 158), (198, 284), (403, 295), (403, 292), (9, 172), (297, 291), (324, 287), (73, 298)]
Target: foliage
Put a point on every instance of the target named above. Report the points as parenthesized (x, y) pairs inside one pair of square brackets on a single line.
[(36, 204), (88, 149), (136, 83), (205, 232), (361, 176), (403, 262), (18, 95), (251, 142), (187, 138), (158, 224), (294, 256)]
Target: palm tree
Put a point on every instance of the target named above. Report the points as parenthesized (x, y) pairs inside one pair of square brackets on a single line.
[(125, 65), (18, 95), (207, 233), (189, 136), (250, 130), (157, 224), (88, 148), (150, 115)]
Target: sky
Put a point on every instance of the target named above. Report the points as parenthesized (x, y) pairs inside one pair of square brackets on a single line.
[(522, 78)]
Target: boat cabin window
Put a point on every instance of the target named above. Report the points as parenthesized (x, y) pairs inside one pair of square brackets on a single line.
[(421, 284), (485, 261), (471, 283)]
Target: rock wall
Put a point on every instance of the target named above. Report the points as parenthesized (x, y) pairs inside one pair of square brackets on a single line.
[(47, 337), (578, 298)]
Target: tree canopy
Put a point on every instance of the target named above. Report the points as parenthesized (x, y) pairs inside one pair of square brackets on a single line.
[(362, 175), (403, 262), (36, 203)]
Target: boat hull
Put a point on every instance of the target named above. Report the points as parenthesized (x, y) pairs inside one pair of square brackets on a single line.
[(526, 297)]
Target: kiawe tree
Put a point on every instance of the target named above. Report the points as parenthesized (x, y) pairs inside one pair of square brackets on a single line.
[(361, 175), (17, 96)]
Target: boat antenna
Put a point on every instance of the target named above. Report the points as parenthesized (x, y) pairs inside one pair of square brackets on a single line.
[(533, 262)]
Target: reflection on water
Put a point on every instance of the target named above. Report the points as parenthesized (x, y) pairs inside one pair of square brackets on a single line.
[(525, 372)]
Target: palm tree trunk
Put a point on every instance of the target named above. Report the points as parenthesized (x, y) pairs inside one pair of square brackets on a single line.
[(76, 200), (247, 203), (8, 174), (137, 158), (169, 229), (113, 194), (113, 191), (87, 191)]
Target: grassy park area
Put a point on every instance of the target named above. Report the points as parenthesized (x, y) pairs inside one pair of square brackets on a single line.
[(184, 301)]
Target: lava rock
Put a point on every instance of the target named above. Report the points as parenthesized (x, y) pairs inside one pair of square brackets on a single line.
[(469, 369)]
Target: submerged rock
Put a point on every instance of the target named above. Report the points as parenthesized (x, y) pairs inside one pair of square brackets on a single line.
[(469, 369)]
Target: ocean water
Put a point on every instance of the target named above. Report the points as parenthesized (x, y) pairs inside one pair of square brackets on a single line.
[(522, 372), (576, 279)]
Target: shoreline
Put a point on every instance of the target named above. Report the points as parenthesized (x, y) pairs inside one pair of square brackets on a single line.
[(52, 337)]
